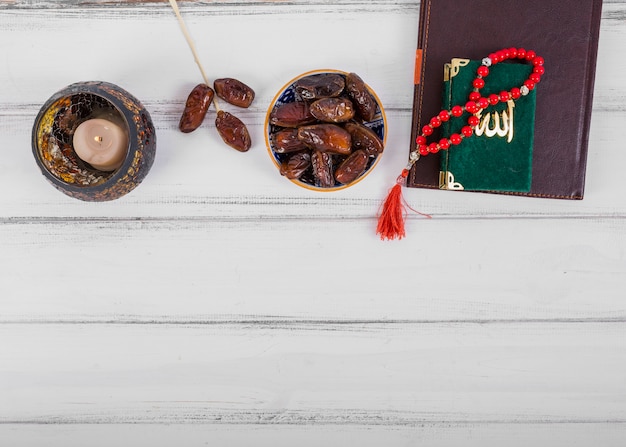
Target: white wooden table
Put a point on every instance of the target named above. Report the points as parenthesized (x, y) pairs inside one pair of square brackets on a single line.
[(218, 304)]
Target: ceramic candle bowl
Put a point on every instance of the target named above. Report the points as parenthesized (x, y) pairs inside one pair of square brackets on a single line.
[(53, 140), (276, 138)]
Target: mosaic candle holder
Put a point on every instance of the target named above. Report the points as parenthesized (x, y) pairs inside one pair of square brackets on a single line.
[(53, 132)]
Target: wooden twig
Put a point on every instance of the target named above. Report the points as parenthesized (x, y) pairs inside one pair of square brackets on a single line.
[(192, 46)]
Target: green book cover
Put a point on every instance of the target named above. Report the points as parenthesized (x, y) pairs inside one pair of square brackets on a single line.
[(498, 157)]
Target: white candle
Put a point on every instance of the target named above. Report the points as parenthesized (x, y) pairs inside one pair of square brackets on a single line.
[(101, 143)]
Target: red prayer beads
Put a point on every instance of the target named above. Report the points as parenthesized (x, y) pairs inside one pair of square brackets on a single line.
[(477, 102), (391, 219)]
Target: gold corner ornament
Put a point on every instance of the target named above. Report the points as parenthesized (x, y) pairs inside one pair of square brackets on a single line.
[(453, 68), (446, 181)]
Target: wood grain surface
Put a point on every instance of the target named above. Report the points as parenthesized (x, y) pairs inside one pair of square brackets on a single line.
[(219, 304)]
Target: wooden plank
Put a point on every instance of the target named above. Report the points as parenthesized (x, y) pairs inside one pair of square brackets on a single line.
[(359, 375), (224, 5), (206, 270), (434, 435)]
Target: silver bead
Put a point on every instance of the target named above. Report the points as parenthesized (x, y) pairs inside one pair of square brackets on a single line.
[(524, 90), (413, 156), (486, 62)]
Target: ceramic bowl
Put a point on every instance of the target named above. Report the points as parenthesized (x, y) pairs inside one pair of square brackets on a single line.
[(288, 94)]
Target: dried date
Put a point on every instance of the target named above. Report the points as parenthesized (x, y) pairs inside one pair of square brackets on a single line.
[(197, 104), (233, 131), (363, 99), (352, 167), (326, 138), (322, 85), (296, 165), (286, 141), (234, 92), (333, 110), (292, 114), (365, 138), (322, 169)]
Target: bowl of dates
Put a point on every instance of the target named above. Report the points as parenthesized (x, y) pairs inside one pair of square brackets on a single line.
[(325, 130)]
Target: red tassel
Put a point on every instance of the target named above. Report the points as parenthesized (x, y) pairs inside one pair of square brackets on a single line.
[(391, 219)]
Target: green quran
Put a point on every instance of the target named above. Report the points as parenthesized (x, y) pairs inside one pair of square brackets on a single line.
[(498, 157)]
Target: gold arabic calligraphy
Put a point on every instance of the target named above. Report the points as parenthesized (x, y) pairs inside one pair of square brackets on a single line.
[(502, 123)]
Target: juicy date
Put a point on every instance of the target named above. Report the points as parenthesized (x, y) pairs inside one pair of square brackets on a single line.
[(365, 138), (333, 110), (363, 99), (233, 131), (322, 169), (234, 92), (286, 141), (326, 138), (197, 104), (295, 165), (352, 167), (323, 85), (292, 114)]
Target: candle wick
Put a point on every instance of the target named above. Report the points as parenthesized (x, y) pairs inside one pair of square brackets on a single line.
[(98, 139)]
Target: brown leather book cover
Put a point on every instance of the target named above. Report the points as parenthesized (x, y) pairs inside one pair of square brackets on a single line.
[(565, 35)]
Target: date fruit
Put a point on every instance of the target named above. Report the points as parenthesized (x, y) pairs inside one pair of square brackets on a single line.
[(333, 110), (363, 99), (322, 85), (322, 169), (352, 167), (233, 131), (234, 92), (197, 104), (292, 114), (295, 165), (365, 138), (326, 138), (286, 141)]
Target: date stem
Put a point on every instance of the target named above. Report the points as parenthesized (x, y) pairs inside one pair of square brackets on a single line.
[(192, 47)]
